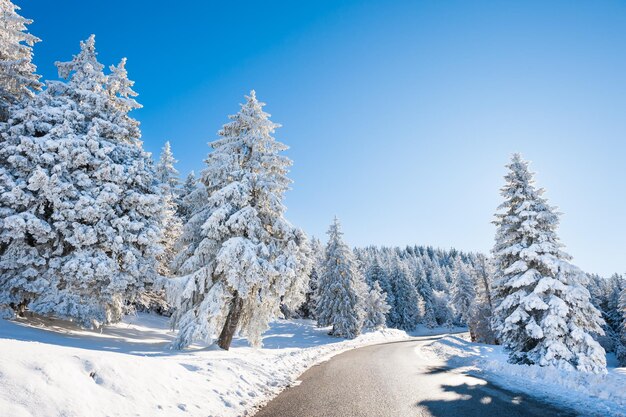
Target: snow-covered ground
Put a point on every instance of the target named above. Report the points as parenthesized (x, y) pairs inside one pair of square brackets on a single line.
[(53, 368), (597, 395)]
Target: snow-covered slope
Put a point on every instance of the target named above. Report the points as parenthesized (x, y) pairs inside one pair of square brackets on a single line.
[(52, 368), (593, 395)]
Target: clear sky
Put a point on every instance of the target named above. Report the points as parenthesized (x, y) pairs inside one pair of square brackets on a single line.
[(400, 115)]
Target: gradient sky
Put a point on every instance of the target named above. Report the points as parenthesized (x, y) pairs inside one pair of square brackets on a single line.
[(400, 115)]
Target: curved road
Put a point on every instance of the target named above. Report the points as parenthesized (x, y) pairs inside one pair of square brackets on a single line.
[(391, 380)]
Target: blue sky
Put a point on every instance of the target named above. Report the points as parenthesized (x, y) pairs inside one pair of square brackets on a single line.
[(400, 115)]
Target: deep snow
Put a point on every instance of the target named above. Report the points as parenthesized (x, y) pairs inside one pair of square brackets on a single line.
[(597, 395), (53, 368)]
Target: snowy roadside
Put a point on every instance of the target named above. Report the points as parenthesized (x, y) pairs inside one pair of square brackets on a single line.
[(126, 369), (600, 395)]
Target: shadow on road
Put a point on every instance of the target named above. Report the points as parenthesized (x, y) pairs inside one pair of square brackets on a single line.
[(481, 398), (487, 401)]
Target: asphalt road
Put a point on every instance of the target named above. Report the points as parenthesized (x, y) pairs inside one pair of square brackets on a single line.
[(391, 380)]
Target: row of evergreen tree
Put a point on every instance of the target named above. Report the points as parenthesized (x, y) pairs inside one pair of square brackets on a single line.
[(609, 297), (90, 226), (528, 296), (419, 285)]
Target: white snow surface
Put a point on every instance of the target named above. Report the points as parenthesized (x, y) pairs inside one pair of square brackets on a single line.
[(591, 394), (53, 368)]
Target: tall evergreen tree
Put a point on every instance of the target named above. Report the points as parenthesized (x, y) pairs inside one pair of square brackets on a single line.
[(376, 308), (340, 302), (463, 293), (307, 309), (18, 79), (544, 315), (172, 225), (444, 313), (621, 351), (405, 311), (187, 192), (605, 295), (481, 314), (165, 171), (376, 274), (437, 277), (241, 256), (80, 211), (427, 296)]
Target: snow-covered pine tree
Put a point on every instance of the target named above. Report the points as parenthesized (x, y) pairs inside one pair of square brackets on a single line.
[(340, 302), (307, 309), (18, 79), (482, 309), (621, 350), (426, 295), (544, 314), (444, 312), (186, 204), (437, 277), (154, 299), (483, 272), (197, 212), (172, 225), (241, 256), (80, 211), (404, 313), (463, 292), (376, 308), (165, 171), (376, 274)]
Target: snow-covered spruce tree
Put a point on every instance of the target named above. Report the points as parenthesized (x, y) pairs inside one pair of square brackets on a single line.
[(165, 171), (404, 314), (621, 350), (376, 274), (185, 205), (481, 313), (340, 302), (463, 293), (197, 213), (376, 308), (18, 80), (427, 296), (444, 312), (437, 278), (241, 256), (605, 294), (544, 314), (80, 211), (308, 307), (172, 225)]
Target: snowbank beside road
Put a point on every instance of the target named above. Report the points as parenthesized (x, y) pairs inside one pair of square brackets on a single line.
[(601, 395), (52, 368)]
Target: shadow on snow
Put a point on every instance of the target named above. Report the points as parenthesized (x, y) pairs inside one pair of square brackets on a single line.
[(150, 335)]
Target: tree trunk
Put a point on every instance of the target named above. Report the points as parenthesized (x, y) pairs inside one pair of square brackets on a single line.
[(232, 320), (19, 308), (472, 333), (4, 113)]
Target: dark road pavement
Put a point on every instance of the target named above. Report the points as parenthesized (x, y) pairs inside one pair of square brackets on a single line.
[(393, 380)]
